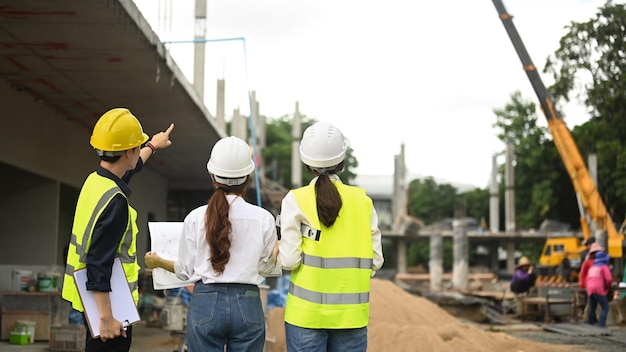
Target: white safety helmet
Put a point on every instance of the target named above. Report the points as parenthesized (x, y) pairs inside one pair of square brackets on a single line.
[(231, 161), (322, 146)]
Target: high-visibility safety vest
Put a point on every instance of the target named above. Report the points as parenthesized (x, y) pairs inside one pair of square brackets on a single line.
[(330, 289), (96, 194)]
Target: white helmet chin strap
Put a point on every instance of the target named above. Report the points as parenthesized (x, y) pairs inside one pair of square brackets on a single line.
[(230, 181)]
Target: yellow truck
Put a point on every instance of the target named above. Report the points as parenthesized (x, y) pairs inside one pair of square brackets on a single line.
[(558, 248)]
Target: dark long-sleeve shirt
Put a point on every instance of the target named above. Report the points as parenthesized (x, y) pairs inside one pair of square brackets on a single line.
[(108, 232), (522, 281)]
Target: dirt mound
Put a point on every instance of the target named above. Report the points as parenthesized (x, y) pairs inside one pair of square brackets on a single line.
[(401, 322)]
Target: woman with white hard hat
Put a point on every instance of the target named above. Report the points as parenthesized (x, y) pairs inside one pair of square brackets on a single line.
[(228, 246), (331, 243)]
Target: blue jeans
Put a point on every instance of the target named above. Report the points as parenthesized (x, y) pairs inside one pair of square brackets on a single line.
[(325, 340), (594, 300), (228, 315), (76, 317)]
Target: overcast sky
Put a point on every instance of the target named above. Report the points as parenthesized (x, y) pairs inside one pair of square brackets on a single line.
[(424, 73)]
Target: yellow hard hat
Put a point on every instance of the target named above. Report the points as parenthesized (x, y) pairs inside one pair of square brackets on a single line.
[(117, 130)]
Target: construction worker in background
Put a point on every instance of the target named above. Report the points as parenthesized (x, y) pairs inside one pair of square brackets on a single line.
[(598, 283), (588, 263), (331, 242), (523, 278), (582, 276), (105, 223), (228, 247)]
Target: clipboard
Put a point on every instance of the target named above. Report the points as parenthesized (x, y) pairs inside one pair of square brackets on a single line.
[(122, 302)]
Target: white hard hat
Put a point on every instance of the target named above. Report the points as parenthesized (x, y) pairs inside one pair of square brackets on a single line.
[(323, 145), (231, 161)]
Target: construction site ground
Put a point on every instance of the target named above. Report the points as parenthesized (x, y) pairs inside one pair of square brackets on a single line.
[(402, 321)]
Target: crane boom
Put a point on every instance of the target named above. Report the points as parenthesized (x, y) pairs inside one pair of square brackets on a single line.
[(583, 183)]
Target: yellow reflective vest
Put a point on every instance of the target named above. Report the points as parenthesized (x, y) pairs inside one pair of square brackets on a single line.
[(330, 289), (96, 194)]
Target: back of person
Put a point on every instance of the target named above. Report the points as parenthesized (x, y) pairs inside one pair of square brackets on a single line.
[(587, 264), (227, 246), (105, 226), (251, 229), (599, 281), (599, 277), (349, 237), (332, 245)]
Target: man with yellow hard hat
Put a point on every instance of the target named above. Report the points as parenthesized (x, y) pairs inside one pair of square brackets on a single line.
[(105, 224)]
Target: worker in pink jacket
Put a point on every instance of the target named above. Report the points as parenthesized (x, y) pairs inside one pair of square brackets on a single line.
[(587, 264), (599, 281)]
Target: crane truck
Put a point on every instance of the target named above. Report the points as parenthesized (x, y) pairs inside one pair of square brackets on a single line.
[(590, 202)]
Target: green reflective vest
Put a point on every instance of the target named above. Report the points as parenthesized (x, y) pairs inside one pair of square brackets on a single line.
[(96, 194), (330, 289)]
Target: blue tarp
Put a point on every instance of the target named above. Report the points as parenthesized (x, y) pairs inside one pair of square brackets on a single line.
[(277, 297)]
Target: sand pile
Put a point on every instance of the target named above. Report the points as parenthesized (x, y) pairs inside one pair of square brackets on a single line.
[(401, 322)]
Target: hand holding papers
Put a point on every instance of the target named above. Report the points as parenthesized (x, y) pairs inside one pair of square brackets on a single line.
[(165, 237)]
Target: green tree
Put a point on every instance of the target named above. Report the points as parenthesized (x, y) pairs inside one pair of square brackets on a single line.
[(543, 189), (590, 65), (277, 153), (429, 201), (475, 203)]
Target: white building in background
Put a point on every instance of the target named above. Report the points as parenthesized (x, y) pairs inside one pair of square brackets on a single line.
[(380, 189)]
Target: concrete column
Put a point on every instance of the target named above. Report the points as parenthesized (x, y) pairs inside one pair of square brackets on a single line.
[(220, 105), (435, 263), (296, 136), (494, 204), (510, 256), (460, 266), (398, 210), (494, 263), (398, 206), (509, 193), (238, 126), (199, 47), (401, 254), (602, 239)]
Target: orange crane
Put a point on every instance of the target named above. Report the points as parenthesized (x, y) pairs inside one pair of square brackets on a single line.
[(591, 203)]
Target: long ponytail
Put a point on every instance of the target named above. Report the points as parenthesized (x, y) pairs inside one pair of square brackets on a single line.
[(328, 199), (218, 226)]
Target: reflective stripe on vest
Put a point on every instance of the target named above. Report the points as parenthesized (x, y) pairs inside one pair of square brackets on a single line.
[(330, 288), (96, 194), (337, 263), (329, 298)]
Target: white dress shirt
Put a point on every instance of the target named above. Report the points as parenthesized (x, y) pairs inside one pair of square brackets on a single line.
[(253, 239)]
